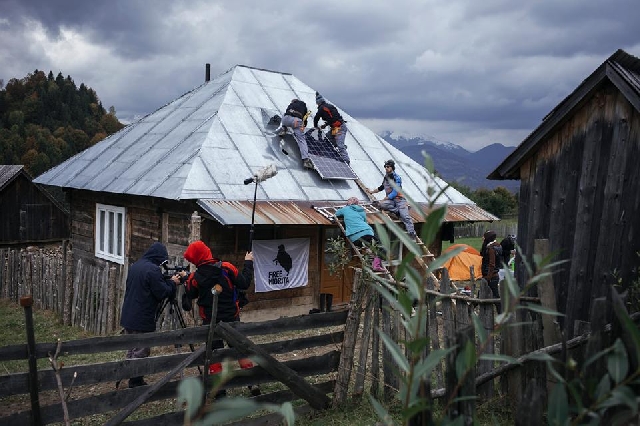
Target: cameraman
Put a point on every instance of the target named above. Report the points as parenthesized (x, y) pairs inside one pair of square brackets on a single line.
[(212, 272), (146, 288)]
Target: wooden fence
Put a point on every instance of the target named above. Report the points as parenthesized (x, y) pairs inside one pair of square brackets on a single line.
[(88, 377), (87, 294), (478, 229)]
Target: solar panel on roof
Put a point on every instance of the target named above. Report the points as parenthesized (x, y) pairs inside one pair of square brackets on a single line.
[(326, 159)]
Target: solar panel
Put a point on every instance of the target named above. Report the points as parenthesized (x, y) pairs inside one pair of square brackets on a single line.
[(326, 159)]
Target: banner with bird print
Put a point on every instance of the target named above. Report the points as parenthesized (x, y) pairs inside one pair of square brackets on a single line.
[(281, 264)]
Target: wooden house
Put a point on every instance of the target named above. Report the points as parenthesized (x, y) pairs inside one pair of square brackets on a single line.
[(28, 213), (580, 186), (179, 174)]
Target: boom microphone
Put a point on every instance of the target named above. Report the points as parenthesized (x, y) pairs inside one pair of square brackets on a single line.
[(262, 174)]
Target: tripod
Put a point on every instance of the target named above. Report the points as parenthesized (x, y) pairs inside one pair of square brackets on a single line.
[(175, 310)]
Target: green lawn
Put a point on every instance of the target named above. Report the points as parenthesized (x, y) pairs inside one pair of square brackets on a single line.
[(48, 328), (475, 242)]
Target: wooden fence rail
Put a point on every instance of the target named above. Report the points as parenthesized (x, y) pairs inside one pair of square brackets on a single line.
[(88, 376)]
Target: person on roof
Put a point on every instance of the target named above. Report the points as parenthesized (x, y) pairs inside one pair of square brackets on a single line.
[(394, 201), (359, 232), (295, 117), (146, 287), (331, 117), (212, 273)]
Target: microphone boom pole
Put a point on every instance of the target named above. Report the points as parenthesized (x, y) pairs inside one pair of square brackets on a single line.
[(260, 176)]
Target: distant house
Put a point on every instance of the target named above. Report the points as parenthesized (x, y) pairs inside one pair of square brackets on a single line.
[(580, 185), (28, 214), (144, 184)]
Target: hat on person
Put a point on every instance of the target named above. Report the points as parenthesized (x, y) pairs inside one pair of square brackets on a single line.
[(390, 163), (319, 98), (353, 200)]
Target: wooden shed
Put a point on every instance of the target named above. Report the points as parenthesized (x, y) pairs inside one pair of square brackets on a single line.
[(179, 174), (580, 186), (28, 213)]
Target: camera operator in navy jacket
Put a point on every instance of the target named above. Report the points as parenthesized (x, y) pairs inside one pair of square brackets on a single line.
[(146, 288)]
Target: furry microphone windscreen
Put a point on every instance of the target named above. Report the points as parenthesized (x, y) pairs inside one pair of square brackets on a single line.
[(266, 173)]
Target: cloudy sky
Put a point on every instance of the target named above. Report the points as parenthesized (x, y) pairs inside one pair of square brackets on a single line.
[(471, 72)]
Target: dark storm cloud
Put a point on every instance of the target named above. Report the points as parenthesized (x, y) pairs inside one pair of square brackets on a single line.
[(461, 69)]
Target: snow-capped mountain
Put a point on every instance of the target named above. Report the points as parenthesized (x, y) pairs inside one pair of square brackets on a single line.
[(454, 163)]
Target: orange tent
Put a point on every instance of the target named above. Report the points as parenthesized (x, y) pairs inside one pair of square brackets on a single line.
[(458, 266)]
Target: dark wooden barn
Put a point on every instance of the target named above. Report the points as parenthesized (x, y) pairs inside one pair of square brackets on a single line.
[(580, 186), (28, 214)]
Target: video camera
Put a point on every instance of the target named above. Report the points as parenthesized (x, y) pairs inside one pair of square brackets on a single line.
[(170, 271)]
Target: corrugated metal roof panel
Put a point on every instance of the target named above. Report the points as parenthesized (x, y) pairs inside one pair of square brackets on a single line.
[(8, 173), (303, 213)]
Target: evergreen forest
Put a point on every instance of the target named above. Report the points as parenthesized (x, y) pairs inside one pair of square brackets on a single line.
[(45, 120)]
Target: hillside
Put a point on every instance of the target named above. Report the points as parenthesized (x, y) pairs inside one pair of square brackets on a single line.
[(456, 164), (45, 119)]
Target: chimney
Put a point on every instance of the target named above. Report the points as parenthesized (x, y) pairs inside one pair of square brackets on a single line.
[(207, 73)]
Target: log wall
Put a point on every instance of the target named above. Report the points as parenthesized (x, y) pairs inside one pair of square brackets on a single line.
[(581, 190)]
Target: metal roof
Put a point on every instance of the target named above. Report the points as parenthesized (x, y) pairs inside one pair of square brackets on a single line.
[(303, 213), (204, 144), (8, 173), (621, 68)]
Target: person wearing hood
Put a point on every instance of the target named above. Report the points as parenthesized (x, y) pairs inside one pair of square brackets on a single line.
[(212, 272), (358, 230), (332, 118), (146, 287), (491, 253)]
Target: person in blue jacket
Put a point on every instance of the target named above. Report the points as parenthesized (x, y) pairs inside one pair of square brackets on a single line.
[(394, 201), (146, 288), (357, 228)]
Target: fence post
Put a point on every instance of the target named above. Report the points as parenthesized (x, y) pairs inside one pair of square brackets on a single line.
[(27, 302), (351, 326), (367, 329), (434, 337), (486, 318), (388, 370), (463, 388), (375, 345)]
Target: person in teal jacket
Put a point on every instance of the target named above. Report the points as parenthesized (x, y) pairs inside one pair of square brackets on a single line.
[(357, 228)]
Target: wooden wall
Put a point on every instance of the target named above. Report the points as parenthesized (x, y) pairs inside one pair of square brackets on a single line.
[(581, 190), (145, 219), (28, 215), (230, 243)]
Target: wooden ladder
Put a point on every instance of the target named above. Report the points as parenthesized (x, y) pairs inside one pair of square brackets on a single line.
[(426, 258)]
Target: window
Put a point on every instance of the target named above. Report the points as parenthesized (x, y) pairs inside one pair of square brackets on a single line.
[(110, 233)]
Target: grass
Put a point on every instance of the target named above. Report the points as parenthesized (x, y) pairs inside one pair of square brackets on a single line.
[(48, 328), (475, 242)]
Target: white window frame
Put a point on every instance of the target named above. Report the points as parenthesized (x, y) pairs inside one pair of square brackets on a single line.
[(110, 232)]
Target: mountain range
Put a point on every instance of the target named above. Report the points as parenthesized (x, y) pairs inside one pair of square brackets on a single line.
[(456, 164)]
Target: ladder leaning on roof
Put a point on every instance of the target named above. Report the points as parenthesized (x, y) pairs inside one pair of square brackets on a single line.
[(426, 253), (332, 217)]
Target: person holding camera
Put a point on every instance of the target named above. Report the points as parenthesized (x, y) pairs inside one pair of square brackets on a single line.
[(224, 277), (146, 287)]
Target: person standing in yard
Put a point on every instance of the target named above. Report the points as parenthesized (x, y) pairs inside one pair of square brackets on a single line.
[(146, 287), (394, 201), (491, 253), (211, 273)]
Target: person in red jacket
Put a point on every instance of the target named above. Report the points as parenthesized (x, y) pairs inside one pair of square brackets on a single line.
[(211, 272)]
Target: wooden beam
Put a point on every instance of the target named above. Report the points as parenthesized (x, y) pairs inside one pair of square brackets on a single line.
[(126, 411), (297, 384)]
